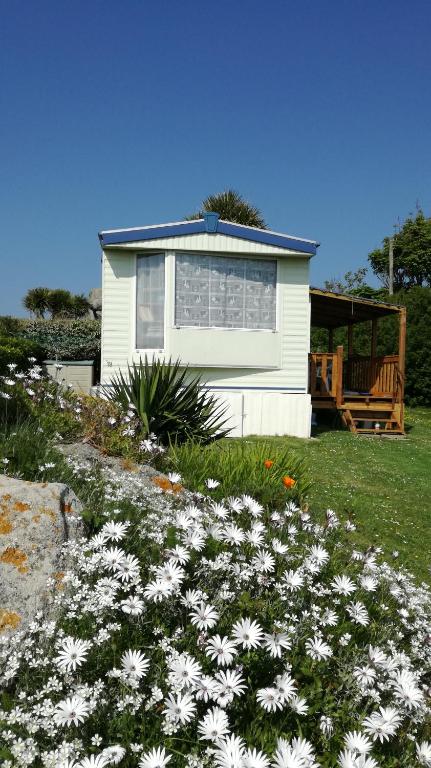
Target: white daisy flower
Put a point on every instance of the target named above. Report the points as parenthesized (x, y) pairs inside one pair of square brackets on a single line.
[(229, 683), (276, 642), (113, 557), (180, 708), (286, 686), (174, 477), (342, 585), (179, 554), (185, 670), (115, 531), (292, 580), (233, 535), (114, 754), (270, 699), (94, 761), (134, 663), (214, 725), (211, 483), (252, 505), (247, 633), (132, 605), (72, 653), (221, 649), (357, 742), (155, 758), (229, 753), (317, 649), (348, 759), (192, 598), (286, 756), (383, 724), (423, 753), (206, 688), (253, 758), (263, 562), (299, 705), (358, 613), (236, 504), (406, 689), (73, 710), (204, 616), (158, 590)]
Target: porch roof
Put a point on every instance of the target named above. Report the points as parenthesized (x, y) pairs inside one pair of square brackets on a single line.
[(334, 310)]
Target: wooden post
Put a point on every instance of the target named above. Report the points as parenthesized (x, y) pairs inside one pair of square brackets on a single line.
[(402, 341), (391, 266), (402, 360), (374, 337), (339, 390), (350, 340), (330, 339)]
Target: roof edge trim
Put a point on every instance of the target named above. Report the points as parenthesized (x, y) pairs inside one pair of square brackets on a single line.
[(198, 226)]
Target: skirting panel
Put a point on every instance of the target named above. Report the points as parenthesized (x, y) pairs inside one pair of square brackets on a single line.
[(266, 413)]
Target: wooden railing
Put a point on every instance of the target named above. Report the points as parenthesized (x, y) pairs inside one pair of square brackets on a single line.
[(326, 374), (377, 376)]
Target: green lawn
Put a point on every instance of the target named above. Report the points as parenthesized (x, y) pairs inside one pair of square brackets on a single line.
[(383, 483)]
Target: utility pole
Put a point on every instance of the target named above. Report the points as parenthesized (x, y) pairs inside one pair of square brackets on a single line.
[(391, 266)]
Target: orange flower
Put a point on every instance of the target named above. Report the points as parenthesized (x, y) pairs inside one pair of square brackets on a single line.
[(288, 482), (268, 463)]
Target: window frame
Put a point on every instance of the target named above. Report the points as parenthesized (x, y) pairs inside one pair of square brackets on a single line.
[(248, 257), (149, 351)]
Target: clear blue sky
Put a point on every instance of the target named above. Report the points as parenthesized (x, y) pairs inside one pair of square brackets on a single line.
[(130, 112)]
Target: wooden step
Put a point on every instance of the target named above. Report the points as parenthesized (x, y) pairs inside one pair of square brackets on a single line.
[(384, 419), (381, 431), (357, 406)]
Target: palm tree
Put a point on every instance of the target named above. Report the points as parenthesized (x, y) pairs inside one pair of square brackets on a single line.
[(231, 206), (36, 301), (60, 303), (80, 306)]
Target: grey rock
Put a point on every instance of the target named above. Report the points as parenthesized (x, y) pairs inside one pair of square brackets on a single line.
[(35, 521), (88, 456)]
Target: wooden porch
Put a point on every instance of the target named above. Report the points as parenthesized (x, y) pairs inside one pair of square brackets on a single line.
[(367, 392)]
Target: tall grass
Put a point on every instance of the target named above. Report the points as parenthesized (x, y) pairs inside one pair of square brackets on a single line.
[(242, 467)]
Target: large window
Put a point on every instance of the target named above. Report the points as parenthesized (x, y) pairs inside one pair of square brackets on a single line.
[(150, 301), (225, 292)]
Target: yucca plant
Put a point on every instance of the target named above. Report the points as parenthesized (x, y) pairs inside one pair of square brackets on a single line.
[(168, 402)]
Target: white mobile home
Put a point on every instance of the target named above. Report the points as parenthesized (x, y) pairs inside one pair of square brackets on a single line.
[(230, 301)]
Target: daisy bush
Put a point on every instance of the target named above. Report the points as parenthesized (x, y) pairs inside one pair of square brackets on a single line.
[(61, 413), (191, 631)]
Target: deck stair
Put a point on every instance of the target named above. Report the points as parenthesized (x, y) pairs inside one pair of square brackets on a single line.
[(375, 417), (367, 393)]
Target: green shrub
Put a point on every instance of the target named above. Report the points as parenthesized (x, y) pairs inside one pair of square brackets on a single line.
[(168, 403), (25, 449), (12, 326), (66, 339), (16, 350), (256, 468)]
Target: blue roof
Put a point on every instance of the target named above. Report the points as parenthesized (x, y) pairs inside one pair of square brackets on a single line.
[(211, 224)]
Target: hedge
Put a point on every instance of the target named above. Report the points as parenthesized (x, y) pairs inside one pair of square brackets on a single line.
[(65, 339), (18, 351)]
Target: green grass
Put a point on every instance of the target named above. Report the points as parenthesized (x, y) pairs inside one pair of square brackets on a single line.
[(383, 484)]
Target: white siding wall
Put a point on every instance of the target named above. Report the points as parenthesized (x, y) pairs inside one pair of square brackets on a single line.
[(117, 297), (270, 398)]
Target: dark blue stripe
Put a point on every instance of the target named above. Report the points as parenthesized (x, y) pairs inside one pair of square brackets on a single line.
[(198, 227), (268, 238), (139, 235)]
